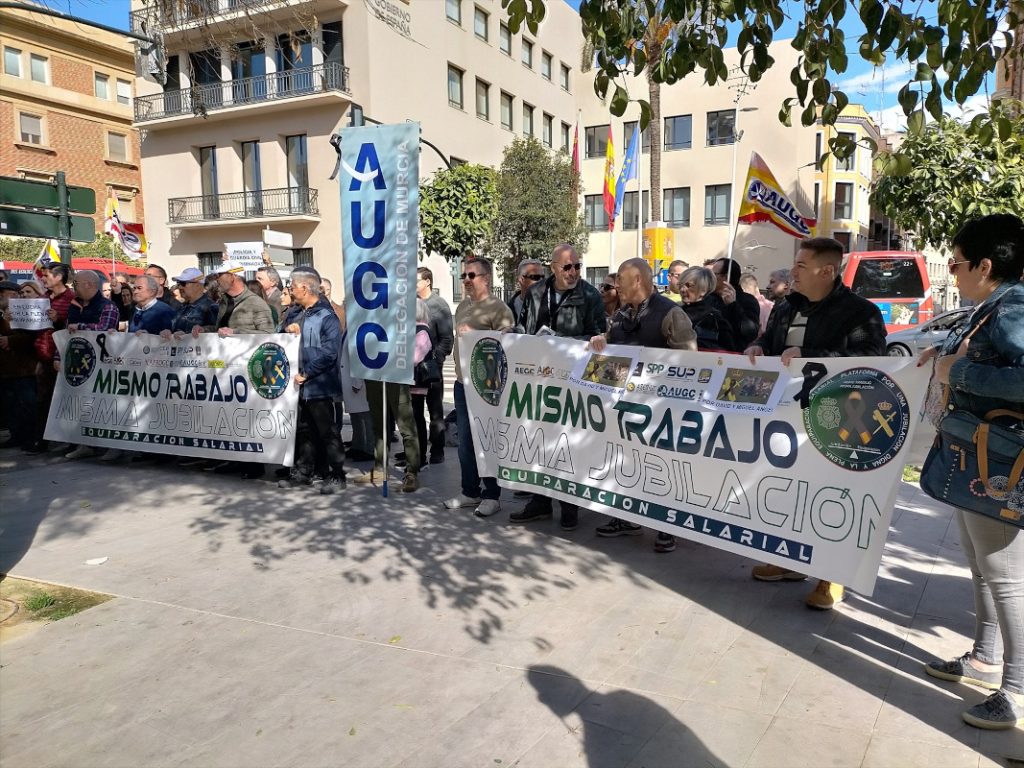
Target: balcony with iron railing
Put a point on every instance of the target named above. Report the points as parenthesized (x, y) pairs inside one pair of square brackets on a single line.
[(323, 81), (297, 203), (168, 16)]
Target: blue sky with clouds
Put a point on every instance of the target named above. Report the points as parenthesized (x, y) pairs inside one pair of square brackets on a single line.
[(875, 88)]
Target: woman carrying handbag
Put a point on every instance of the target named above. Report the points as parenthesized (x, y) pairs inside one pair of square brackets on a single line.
[(978, 468)]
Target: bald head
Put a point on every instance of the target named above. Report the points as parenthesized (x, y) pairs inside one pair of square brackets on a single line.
[(87, 284), (636, 281)]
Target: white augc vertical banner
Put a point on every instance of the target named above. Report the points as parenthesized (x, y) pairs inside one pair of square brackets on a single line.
[(794, 466), (380, 232)]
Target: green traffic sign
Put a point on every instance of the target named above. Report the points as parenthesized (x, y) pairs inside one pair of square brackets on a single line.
[(39, 194), (41, 224)]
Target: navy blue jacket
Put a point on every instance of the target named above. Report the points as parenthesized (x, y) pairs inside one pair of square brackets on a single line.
[(319, 348), (157, 318)]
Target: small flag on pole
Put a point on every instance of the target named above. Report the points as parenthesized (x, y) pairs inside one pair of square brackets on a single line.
[(131, 237), (629, 171), (609, 181), (764, 200), (50, 254)]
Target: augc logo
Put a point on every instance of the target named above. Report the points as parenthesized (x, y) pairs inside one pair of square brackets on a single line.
[(269, 371), (488, 370), (79, 361)]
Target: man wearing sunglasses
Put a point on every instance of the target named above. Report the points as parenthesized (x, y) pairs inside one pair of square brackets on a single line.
[(529, 273), (820, 318), (480, 310), (569, 306)]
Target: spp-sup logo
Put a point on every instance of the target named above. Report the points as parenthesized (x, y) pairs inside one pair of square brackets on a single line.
[(488, 370), (858, 419), (79, 361), (269, 370)]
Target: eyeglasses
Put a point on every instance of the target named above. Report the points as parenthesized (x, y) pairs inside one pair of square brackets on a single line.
[(570, 267), (606, 287), (471, 275), (535, 278), (955, 265)]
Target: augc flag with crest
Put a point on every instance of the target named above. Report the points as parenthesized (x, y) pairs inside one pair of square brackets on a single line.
[(380, 229), (764, 200)]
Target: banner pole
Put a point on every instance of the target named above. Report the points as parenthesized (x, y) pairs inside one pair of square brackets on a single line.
[(386, 435)]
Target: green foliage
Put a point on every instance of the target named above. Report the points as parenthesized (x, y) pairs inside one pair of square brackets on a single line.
[(457, 210), (945, 175), (953, 38), (537, 209), (28, 249)]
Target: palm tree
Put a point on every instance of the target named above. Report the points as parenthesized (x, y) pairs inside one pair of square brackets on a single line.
[(657, 32)]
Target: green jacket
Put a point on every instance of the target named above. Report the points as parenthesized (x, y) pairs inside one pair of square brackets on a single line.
[(245, 313)]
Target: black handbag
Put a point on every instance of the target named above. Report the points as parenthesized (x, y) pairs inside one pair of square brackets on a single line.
[(978, 465), (426, 372)]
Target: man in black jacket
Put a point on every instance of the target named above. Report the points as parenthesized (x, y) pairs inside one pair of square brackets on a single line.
[(820, 318), (736, 305), (566, 305)]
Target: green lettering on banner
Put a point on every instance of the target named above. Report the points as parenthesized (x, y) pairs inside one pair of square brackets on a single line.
[(519, 403)]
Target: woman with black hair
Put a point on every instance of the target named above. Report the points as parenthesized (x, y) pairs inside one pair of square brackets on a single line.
[(983, 368)]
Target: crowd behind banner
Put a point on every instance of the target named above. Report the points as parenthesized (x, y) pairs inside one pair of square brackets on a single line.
[(807, 313)]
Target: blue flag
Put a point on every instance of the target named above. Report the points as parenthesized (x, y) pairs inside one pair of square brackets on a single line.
[(629, 169)]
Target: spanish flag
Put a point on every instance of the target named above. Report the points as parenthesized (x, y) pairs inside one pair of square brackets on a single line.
[(609, 181), (764, 200)]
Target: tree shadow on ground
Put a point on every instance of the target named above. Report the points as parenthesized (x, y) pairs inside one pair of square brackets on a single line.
[(489, 574)]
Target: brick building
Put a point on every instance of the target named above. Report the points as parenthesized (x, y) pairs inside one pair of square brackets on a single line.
[(66, 104)]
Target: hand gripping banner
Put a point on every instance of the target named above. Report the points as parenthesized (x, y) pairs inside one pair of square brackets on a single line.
[(797, 466)]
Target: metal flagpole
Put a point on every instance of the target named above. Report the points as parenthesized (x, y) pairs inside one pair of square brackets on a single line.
[(387, 435), (640, 194)]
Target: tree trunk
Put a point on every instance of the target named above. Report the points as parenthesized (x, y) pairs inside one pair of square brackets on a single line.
[(654, 96)]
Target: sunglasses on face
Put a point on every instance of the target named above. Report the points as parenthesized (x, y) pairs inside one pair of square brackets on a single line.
[(535, 278), (570, 267), (954, 265), (471, 275), (606, 287)]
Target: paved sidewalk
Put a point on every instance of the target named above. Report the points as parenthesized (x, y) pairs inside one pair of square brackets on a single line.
[(258, 627)]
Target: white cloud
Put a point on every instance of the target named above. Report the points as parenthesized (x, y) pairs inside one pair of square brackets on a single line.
[(892, 118)]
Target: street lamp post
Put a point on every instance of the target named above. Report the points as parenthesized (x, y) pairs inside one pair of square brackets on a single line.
[(733, 222)]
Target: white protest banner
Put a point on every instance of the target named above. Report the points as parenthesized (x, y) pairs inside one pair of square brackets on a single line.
[(29, 314), (249, 255), (219, 398), (797, 467)]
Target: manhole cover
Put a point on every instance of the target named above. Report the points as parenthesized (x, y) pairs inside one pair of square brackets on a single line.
[(7, 609)]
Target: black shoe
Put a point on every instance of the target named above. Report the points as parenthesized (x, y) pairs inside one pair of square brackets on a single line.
[(617, 527), (39, 446), (332, 484), (399, 457), (254, 472), (537, 508), (437, 458), (522, 494), (355, 455), (664, 543), (281, 472)]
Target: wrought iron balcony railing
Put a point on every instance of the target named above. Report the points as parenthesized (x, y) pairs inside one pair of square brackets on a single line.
[(286, 201), (201, 99), (169, 14)]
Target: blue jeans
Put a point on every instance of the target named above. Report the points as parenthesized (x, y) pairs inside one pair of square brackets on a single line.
[(471, 479), (995, 554)]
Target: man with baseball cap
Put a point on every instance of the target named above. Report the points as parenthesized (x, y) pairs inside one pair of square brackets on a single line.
[(198, 313)]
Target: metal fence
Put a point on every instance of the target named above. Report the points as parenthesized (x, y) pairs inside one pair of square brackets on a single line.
[(285, 201)]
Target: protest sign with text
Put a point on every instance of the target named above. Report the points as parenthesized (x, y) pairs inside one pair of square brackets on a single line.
[(379, 234), (29, 314), (249, 255), (795, 466), (219, 398)]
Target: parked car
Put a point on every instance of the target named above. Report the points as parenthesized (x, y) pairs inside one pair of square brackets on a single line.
[(913, 341)]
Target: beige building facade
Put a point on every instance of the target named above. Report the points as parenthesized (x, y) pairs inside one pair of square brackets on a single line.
[(700, 192), (238, 139)]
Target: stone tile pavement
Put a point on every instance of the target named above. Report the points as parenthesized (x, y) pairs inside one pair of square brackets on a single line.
[(260, 627)]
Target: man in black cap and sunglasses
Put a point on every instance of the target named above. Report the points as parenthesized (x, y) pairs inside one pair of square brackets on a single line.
[(564, 305)]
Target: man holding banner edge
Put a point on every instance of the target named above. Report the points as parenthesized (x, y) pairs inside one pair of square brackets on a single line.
[(820, 318)]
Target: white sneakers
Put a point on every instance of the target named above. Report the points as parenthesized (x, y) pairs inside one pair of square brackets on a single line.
[(484, 507), (487, 508), (461, 501)]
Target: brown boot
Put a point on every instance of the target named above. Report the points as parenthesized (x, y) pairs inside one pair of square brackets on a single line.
[(410, 482), (825, 596)]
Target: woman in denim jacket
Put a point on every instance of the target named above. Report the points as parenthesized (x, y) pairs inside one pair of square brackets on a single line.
[(985, 372)]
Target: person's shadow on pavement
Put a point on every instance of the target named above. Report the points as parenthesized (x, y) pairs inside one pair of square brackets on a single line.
[(619, 725)]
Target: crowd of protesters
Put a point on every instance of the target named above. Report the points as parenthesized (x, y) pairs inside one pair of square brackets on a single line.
[(807, 312)]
